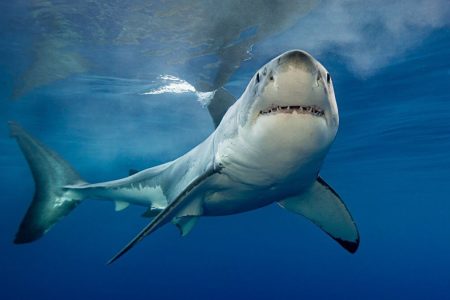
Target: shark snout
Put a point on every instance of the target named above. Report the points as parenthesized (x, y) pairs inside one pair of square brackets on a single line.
[(298, 59)]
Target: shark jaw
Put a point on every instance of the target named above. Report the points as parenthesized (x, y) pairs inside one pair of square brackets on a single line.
[(290, 109)]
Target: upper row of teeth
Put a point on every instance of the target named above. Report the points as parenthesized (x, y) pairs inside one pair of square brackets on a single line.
[(301, 109)]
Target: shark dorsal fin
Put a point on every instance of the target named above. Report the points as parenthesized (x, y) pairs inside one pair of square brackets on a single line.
[(219, 104), (132, 172)]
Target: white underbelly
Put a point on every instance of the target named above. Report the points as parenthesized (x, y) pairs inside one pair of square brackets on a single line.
[(225, 196), (275, 158)]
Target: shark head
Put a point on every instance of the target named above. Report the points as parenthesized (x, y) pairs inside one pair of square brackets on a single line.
[(287, 116), (292, 96), (293, 84)]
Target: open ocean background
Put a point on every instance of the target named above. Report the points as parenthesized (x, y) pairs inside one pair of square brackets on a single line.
[(110, 86)]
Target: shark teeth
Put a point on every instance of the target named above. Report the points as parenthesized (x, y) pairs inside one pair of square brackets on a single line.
[(312, 110)]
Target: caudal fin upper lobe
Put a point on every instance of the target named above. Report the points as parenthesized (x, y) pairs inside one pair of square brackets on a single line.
[(51, 173)]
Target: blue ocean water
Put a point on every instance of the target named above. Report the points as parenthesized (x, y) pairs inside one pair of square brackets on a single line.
[(390, 161)]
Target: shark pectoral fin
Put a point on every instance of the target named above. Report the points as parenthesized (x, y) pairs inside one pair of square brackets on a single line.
[(120, 205), (323, 206), (162, 218), (178, 207), (185, 224)]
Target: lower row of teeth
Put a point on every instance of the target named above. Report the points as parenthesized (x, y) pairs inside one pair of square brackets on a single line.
[(300, 109)]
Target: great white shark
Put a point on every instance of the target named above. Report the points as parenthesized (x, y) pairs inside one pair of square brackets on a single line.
[(268, 148)]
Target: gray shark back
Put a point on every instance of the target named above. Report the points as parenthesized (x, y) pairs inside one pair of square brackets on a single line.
[(50, 173)]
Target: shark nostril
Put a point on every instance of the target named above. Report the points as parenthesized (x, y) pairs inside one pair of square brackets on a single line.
[(257, 78)]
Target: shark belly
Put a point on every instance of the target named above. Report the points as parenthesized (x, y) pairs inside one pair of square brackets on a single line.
[(225, 195), (257, 172)]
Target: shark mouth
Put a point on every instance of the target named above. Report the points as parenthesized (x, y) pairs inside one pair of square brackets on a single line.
[(310, 110)]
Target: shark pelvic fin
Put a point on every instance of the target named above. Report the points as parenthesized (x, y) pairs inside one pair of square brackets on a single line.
[(120, 205), (185, 224), (176, 208), (323, 206)]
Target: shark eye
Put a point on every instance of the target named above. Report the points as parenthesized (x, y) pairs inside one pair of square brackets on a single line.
[(257, 78), (328, 78)]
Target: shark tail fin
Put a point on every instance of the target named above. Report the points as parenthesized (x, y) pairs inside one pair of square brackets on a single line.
[(51, 173)]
